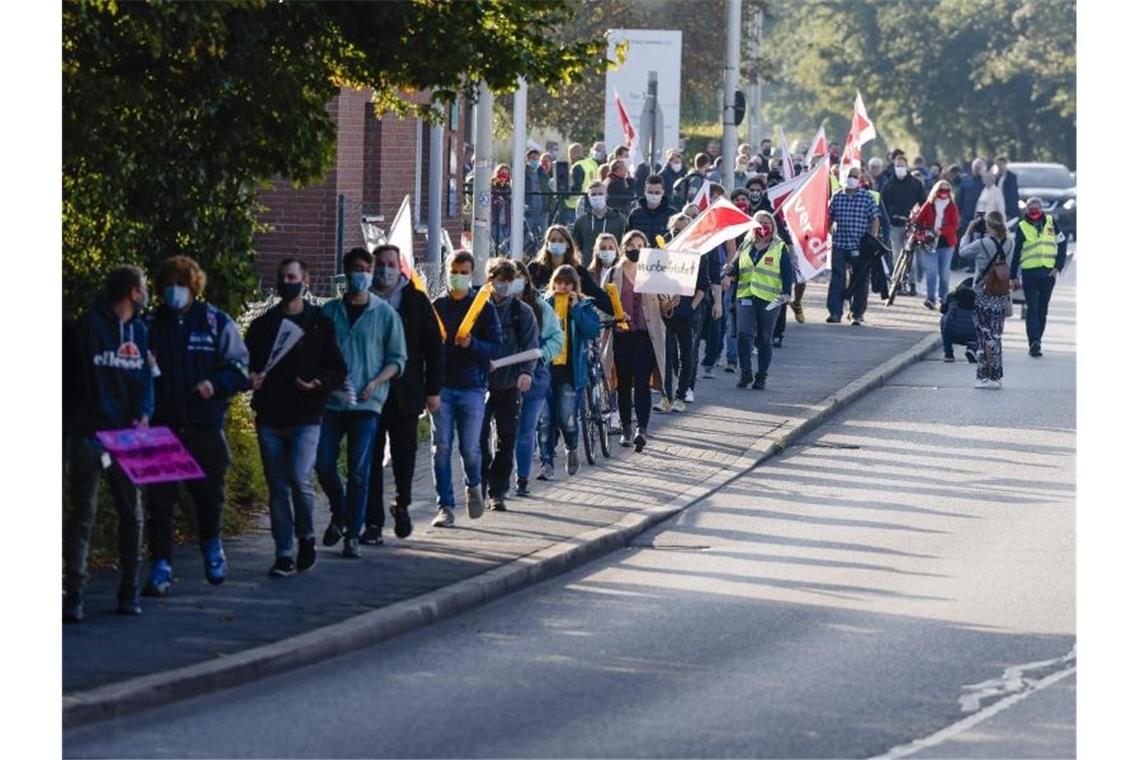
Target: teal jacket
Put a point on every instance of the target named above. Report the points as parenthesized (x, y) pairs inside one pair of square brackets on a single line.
[(551, 337), (374, 342), (584, 326)]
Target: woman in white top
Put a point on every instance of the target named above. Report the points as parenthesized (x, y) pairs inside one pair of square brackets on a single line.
[(991, 198)]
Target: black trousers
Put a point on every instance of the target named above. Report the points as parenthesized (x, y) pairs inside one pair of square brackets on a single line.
[(400, 432), (503, 406), (1038, 291), (633, 357), (679, 345), (209, 449)]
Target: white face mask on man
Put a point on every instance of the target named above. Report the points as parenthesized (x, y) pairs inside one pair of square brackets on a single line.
[(653, 200), (900, 172), (852, 183), (597, 201)]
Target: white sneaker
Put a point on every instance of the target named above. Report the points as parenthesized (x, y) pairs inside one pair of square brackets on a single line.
[(678, 405), (984, 383), (995, 385), (615, 422), (688, 397), (664, 405)]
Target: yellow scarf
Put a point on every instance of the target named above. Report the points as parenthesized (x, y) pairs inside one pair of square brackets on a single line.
[(562, 309)]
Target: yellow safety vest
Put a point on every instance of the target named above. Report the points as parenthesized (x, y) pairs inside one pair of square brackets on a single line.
[(762, 278), (834, 185), (590, 171), (1039, 251)]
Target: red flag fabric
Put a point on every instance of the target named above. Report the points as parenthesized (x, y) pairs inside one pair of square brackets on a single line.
[(702, 196), (628, 130), (818, 145), (777, 194), (862, 132), (805, 215), (720, 222)]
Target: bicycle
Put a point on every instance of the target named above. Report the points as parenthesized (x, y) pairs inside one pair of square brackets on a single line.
[(595, 412), (916, 237)]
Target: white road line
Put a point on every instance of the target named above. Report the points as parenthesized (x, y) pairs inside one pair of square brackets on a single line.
[(951, 731)]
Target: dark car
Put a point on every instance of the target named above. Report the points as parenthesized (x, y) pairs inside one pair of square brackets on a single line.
[(1056, 186)]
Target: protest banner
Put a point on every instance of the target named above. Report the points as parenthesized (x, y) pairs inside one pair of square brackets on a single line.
[(150, 455), (805, 215), (667, 272)]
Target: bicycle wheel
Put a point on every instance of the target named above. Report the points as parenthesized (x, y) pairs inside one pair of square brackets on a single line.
[(589, 430), (898, 276), (602, 419)]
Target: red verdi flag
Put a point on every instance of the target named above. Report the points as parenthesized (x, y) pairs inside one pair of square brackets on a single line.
[(862, 132), (818, 146), (720, 222), (627, 128), (805, 215)]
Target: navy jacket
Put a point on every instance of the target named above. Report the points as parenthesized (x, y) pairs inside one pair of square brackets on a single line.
[(113, 381), (968, 193), (651, 222), (465, 368), (202, 343)]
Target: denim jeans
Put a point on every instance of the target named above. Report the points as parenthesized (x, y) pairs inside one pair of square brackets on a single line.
[(360, 428), (533, 403), (85, 453), (459, 409), (728, 324), (937, 266), (841, 261), (949, 338), (210, 450), (754, 324), (562, 402), (1038, 290), (288, 455)]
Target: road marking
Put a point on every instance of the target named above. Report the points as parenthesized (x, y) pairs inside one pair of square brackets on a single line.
[(1026, 687)]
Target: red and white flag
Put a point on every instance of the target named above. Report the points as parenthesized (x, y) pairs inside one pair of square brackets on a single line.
[(862, 132), (777, 194), (818, 146), (628, 131), (720, 222), (805, 215), (702, 197), (786, 156)]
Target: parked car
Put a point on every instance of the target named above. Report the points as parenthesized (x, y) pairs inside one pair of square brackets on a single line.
[(1056, 186)]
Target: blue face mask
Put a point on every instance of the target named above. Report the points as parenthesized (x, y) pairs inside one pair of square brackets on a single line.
[(557, 249), (517, 286), (359, 281), (535, 164), (176, 297)]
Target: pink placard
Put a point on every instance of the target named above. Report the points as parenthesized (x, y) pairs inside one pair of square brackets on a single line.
[(150, 455)]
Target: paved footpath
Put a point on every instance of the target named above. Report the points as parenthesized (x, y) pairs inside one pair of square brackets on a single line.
[(199, 622)]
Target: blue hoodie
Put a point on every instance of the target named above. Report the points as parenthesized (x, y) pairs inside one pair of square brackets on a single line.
[(585, 325), (369, 345), (115, 384), (465, 368), (202, 343)]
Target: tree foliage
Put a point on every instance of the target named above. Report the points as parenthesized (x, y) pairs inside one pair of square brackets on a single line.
[(176, 114)]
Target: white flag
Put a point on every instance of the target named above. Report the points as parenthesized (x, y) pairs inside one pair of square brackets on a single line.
[(288, 335)]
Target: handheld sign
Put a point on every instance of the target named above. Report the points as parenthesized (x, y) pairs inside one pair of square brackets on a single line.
[(288, 335), (667, 272), (150, 455)]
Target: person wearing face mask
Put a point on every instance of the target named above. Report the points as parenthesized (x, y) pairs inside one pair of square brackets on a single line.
[(619, 187), (289, 401), (501, 205), (203, 363), (673, 170), (679, 349), (534, 401), (853, 213), (902, 195), (568, 369), (763, 273), (766, 148), (940, 214), (537, 182), (417, 387), (370, 336), (506, 385), (685, 189), (466, 361), (991, 198), (559, 249), (1039, 253), (651, 216), (741, 172), (601, 219), (112, 390), (639, 351)]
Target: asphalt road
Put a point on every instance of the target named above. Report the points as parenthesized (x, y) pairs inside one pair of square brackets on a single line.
[(909, 564)]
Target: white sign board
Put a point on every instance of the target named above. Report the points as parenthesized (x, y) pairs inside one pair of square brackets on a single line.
[(667, 272), (649, 50)]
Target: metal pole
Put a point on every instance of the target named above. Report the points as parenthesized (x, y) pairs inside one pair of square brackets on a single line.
[(435, 193), (481, 223), (339, 234), (754, 126), (518, 173), (731, 77), (651, 104)]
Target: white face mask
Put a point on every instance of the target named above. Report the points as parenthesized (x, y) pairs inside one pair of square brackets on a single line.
[(900, 172), (675, 165), (598, 202), (852, 183), (653, 200), (607, 255)]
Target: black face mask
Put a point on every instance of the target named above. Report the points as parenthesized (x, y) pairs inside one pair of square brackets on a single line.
[(289, 290), (755, 196), (633, 254)]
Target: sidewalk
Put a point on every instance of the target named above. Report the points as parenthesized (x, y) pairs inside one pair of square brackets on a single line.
[(199, 622)]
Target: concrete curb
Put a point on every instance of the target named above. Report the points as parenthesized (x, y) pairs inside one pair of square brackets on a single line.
[(137, 694)]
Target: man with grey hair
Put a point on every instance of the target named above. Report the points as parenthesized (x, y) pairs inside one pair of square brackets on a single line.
[(875, 170)]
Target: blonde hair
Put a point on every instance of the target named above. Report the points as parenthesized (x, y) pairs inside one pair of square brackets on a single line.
[(939, 185), (995, 223)]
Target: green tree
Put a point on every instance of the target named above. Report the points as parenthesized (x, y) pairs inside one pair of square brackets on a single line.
[(176, 114)]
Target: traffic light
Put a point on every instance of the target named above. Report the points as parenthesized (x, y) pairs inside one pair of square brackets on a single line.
[(738, 109)]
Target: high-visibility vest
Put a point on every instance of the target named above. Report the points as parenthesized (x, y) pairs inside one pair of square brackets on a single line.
[(761, 278), (1039, 251), (834, 184), (874, 197), (590, 171)]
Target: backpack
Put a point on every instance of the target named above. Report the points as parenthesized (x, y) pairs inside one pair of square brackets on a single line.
[(995, 280)]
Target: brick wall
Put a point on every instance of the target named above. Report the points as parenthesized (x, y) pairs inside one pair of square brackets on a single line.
[(375, 168)]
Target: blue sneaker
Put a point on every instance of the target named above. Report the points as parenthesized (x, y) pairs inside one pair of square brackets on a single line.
[(160, 578), (215, 561)]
